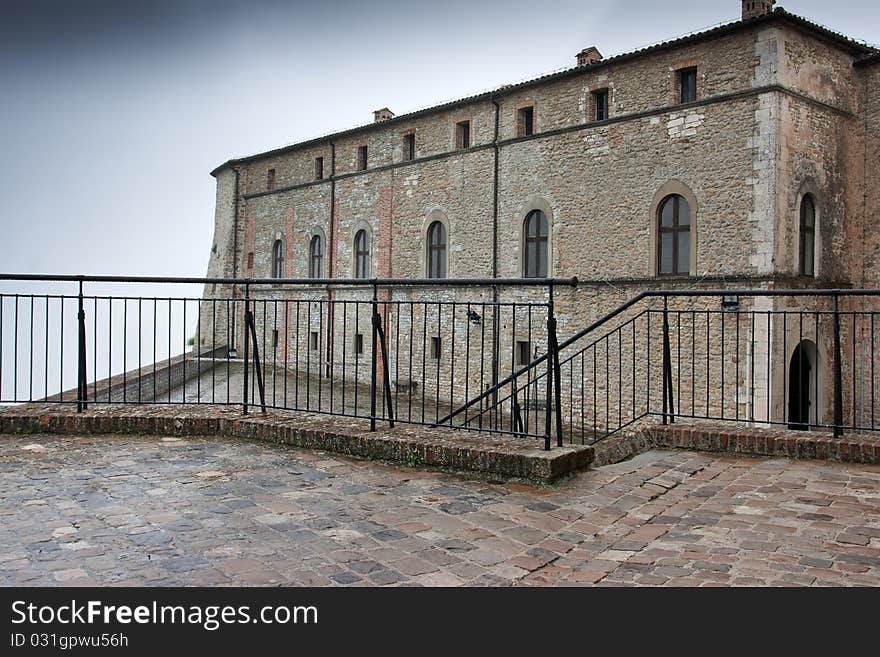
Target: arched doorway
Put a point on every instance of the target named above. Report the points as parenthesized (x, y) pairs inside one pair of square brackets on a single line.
[(800, 390)]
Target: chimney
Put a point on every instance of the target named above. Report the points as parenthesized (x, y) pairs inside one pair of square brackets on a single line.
[(754, 8), (588, 56), (382, 115)]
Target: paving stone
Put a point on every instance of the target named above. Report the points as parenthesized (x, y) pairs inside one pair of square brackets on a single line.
[(131, 510)]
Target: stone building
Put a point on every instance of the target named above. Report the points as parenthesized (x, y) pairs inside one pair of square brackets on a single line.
[(744, 156)]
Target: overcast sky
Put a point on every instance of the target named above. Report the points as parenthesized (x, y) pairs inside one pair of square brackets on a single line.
[(114, 112)]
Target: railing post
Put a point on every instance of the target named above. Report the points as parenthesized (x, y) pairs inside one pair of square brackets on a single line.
[(668, 401), (81, 377), (373, 356), (551, 330), (247, 312), (553, 344), (838, 378), (386, 374)]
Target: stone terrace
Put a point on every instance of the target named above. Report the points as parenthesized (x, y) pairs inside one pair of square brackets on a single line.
[(141, 510)]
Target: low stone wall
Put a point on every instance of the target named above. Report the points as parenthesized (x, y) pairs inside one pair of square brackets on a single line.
[(441, 449)]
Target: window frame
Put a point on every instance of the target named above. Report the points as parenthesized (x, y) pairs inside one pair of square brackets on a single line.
[(463, 134), (440, 249), (536, 241), (278, 259), (316, 256), (680, 75), (361, 256), (803, 232), (675, 229), (270, 179), (525, 121), (599, 95), (363, 157), (319, 167), (409, 146)]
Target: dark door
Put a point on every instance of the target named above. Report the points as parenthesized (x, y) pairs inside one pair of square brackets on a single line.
[(799, 390)]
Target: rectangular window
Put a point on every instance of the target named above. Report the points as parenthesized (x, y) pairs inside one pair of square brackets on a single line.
[(313, 341), (435, 348), (687, 85), (270, 179), (359, 343), (523, 352), (463, 134), (274, 338), (319, 168), (409, 147), (250, 260), (362, 158), (600, 103), (525, 121)]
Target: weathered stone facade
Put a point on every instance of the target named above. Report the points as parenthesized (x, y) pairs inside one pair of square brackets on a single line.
[(783, 108)]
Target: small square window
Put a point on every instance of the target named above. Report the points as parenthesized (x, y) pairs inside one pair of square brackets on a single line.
[(359, 343), (600, 104), (687, 85), (313, 341), (523, 352), (435, 347), (463, 134), (409, 147), (270, 179), (525, 121), (362, 158), (319, 168)]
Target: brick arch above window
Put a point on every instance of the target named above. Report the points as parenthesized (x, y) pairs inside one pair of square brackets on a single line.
[(671, 189)]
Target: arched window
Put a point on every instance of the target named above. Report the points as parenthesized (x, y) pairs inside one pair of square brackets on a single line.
[(535, 245), (674, 237), (436, 250), (316, 257), (278, 259), (361, 255), (808, 237)]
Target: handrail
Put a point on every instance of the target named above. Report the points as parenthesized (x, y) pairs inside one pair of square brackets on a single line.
[(364, 282)]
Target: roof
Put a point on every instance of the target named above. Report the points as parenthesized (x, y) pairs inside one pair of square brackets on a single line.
[(867, 54), (867, 60)]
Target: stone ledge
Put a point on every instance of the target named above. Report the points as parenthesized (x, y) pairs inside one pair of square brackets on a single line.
[(442, 449), (775, 443), (741, 442)]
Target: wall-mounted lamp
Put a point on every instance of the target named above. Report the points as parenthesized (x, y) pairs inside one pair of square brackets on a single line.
[(730, 302)]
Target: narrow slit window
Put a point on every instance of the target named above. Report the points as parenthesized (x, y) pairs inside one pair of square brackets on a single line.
[(600, 103), (313, 340), (319, 168), (275, 338), (316, 257), (523, 352), (270, 179), (463, 134), (362, 158), (409, 147), (359, 343), (435, 347)]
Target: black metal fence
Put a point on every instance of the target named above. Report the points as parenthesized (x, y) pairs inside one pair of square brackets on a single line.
[(479, 355), (385, 350)]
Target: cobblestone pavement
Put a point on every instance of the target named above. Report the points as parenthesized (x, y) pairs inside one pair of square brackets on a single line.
[(161, 511)]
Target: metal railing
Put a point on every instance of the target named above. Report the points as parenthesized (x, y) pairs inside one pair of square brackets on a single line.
[(385, 350), (792, 359), (478, 354)]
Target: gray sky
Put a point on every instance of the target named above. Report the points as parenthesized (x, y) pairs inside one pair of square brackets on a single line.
[(114, 112)]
